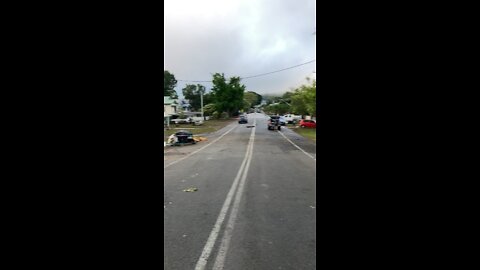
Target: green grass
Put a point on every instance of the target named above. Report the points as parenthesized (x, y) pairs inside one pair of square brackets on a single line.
[(208, 126), (309, 133)]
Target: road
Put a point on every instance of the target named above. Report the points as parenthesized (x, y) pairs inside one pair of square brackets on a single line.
[(254, 207)]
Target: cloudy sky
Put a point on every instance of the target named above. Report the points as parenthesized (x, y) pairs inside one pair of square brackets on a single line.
[(240, 38)]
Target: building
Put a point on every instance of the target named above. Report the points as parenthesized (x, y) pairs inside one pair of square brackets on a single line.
[(170, 108), (184, 105)]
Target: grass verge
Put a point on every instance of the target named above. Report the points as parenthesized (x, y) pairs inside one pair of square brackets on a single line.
[(309, 133)]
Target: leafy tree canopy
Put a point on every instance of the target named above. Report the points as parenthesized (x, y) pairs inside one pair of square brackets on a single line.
[(169, 83), (251, 99), (193, 94), (227, 96), (303, 99)]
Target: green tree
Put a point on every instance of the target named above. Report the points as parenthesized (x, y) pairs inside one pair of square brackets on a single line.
[(259, 99), (303, 100), (169, 83), (228, 96), (269, 99), (287, 97), (192, 93), (209, 109), (279, 108), (251, 99), (298, 104)]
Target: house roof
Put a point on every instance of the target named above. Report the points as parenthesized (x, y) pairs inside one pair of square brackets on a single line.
[(169, 101)]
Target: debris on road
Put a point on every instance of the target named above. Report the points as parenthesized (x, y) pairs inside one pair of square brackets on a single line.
[(192, 189), (199, 139), (250, 126)]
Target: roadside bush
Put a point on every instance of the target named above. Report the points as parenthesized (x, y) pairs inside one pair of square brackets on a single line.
[(215, 115), (208, 109), (224, 115)]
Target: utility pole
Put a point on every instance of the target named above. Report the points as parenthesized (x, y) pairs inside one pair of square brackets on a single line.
[(201, 103), (201, 90)]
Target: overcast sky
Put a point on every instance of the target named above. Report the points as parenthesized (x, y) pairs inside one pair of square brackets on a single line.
[(241, 38)]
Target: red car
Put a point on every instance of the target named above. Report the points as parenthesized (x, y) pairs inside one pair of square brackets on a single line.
[(307, 123)]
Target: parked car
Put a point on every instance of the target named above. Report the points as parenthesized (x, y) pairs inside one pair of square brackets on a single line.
[(307, 123), (274, 123), (291, 118), (243, 120)]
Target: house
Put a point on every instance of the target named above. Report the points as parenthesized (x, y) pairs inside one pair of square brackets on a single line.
[(169, 109), (185, 105), (170, 105)]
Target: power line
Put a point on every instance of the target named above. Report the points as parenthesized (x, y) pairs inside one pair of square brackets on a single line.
[(192, 81), (278, 70), (263, 74)]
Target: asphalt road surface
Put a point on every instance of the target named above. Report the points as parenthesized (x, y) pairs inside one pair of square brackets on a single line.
[(254, 207)]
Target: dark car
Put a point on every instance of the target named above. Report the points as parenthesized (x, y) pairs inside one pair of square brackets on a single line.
[(243, 120), (184, 137), (274, 123)]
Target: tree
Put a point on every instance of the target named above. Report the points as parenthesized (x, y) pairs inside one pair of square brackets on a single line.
[(251, 99), (278, 108), (227, 96), (169, 83), (287, 97), (298, 104), (190, 92), (269, 99), (209, 109), (193, 94), (304, 100)]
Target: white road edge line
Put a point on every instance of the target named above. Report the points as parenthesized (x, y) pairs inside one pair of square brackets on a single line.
[(198, 150), (207, 249), (297, 146), (227, 235)]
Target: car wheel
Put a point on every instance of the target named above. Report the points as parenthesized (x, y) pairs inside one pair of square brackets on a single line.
[(302, 126), (279, 128)]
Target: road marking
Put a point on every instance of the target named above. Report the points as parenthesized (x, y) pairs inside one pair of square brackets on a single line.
[(198, 150), (207, 249), (281, 133), (227, 236)]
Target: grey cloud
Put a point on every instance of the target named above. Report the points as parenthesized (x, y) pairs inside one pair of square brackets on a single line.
[(257, 37)]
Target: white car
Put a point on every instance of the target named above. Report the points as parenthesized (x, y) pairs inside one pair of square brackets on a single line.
[(290, 118)]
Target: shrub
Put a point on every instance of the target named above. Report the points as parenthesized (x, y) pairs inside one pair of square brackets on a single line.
[(224, 115)]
